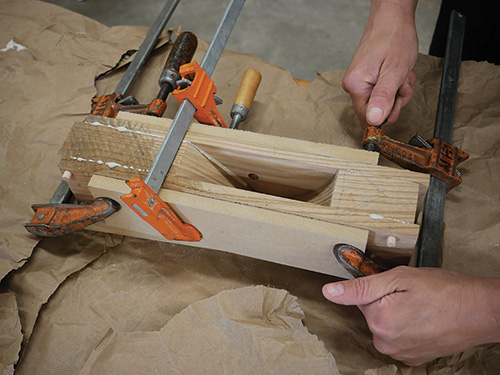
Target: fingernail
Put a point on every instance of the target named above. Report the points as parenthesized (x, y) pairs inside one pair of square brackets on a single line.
[(374, 115), (335, 290)]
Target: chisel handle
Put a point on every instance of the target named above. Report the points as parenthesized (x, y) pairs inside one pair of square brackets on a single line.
[(248, 88), (246, 94)]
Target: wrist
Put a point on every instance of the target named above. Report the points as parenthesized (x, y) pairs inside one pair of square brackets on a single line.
[(490, 288), (401, 7), (392, 19), (398, 13)]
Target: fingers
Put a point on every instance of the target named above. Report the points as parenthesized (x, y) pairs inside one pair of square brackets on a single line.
[(359, 85), (377, 100), (403, 96), (391, 93), (363, 290)]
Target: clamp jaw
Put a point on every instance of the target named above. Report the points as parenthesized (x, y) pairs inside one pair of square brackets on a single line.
[(181, 53), (151, 208), (434, 156), (142, 199), (201, 93)]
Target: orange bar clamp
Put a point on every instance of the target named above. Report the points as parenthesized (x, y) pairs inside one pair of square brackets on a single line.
[(201, 94), (435, 157)]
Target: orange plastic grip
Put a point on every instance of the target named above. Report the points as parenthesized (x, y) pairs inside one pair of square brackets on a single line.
[(152, 209), (201, 94)]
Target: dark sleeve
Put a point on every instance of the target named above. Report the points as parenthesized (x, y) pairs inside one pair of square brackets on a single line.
[(482, 29)]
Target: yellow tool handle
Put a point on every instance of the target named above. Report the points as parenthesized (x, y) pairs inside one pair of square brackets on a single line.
[(248, 87)]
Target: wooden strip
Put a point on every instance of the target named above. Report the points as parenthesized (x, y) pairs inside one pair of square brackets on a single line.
[(159, 126), (238, 229)]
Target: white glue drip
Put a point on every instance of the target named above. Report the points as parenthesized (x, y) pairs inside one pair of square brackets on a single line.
[(380, 217), (110, 164), (13, 45), (123, 129)]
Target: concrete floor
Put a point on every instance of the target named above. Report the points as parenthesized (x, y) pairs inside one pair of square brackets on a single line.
[(302, 36)]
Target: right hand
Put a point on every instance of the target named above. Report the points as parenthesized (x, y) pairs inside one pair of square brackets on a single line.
[(380, 77), (419, 314)]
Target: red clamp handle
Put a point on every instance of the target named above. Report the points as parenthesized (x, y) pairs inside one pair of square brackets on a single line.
[(355, 261), (440, 160), (201, 94), (56, 219)]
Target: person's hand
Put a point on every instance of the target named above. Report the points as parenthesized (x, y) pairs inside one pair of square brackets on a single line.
[(380, 76), (419, 314)]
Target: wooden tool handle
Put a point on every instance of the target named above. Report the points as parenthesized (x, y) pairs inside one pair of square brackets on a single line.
[(248, 87), (182, 51)]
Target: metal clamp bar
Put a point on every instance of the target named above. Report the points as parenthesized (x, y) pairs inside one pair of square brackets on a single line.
[(146, 47), (445, 116), (429, 240), (221, 36), (173, 140)]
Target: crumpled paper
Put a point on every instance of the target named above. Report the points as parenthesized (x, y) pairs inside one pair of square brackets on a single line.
[(70, 291), (52, 262), (252, 330), (10, 333)]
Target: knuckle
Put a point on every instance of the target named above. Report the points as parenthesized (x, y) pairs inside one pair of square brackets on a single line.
[(352, 81), (385, 347), (405, 92), (347, 84), (412, 76), (400, 272), (361, 288), (382, 91), (381, 327)]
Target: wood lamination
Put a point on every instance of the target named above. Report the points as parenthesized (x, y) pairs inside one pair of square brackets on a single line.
[(303, 179)]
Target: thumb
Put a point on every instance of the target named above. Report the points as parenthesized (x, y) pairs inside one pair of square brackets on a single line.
[(361, 291), (382, 98)]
